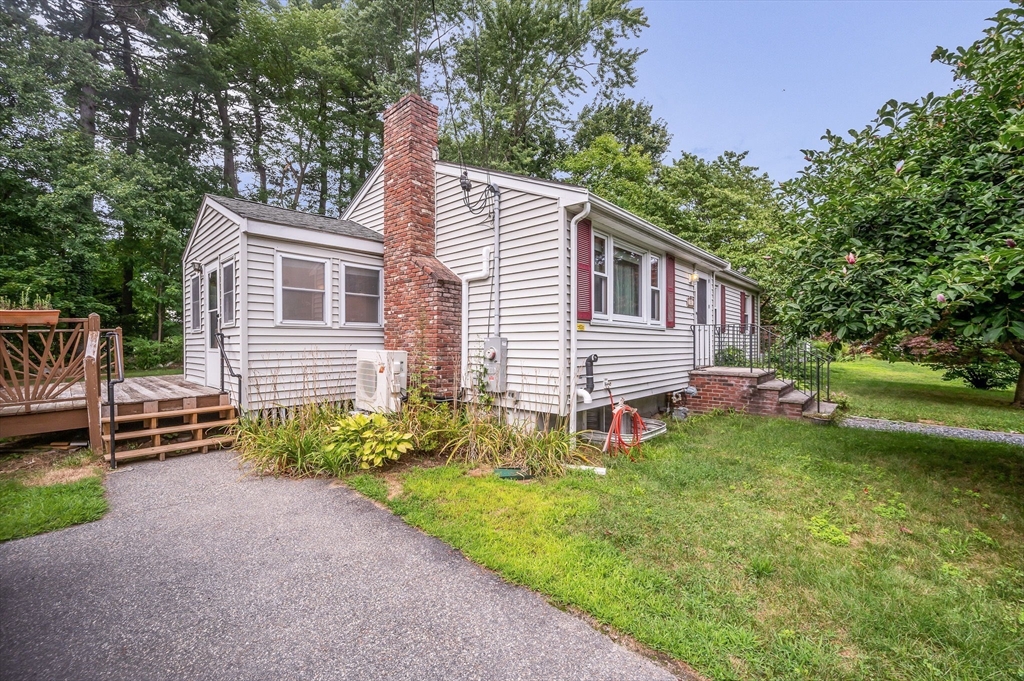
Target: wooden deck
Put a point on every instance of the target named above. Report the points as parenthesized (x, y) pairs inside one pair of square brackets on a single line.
[(134, 390)]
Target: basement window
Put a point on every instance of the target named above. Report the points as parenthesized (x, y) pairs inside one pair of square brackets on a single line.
[(302, 290), (362, 295)]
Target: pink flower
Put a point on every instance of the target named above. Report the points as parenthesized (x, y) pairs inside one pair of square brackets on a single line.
[(1010, 243), (940, 298), (899, 167), (851, 258)]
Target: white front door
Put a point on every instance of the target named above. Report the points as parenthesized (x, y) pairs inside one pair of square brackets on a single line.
[(212, 275)]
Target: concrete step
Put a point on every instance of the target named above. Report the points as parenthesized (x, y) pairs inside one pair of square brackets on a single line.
[(796, 397), (813, 412), (777, 384)]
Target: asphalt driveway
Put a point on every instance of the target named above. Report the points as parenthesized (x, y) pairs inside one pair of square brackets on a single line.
[(201, 572)]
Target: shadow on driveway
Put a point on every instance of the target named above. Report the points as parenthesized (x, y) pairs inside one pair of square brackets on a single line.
[(200, 572)]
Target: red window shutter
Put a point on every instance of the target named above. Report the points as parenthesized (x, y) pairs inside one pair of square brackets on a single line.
[(670, 292), (584, 281), (743, 308), (724, 322)]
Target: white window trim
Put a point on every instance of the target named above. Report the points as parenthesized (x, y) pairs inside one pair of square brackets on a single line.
[(380, 298), (229, 260), (610, 318), (660, 288), (278, 281)]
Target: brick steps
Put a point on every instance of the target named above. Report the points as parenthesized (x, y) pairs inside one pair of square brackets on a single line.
[(751, 391)]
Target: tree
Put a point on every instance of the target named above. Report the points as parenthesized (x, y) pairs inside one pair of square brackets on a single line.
[(631, 122), (914, 223), (517, 66), (729, 208)]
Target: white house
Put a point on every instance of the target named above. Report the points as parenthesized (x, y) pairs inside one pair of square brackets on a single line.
[(461, 255)]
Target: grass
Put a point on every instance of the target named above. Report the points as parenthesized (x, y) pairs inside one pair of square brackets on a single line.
[(762, 548), (135, 373), (902, 391), (28, 510)]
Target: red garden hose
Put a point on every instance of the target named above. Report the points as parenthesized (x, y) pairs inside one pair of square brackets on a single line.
[(615, 443)]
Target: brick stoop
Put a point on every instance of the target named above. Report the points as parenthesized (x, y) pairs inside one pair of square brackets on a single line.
[(751, 391)]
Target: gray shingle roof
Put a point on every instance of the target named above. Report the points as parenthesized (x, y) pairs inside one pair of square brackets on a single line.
[(295, 218)]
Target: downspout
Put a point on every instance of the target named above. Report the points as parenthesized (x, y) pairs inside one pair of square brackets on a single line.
[(497, 258), (574, 297), (485, 271)]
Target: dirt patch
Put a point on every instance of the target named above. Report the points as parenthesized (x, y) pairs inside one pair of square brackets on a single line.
[(480, 472), (61, 476), (18, 461)]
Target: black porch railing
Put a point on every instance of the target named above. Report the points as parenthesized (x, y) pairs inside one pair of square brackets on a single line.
[(761, 347)]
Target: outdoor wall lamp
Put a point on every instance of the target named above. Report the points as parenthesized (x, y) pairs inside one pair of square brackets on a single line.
[(197, 266), (694, 276)]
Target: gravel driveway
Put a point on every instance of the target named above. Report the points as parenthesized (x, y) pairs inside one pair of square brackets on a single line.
[(200, 572)]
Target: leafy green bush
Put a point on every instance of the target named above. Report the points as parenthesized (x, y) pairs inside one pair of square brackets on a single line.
[(983, 375), (366, 441), (730, 357), (142, 353)]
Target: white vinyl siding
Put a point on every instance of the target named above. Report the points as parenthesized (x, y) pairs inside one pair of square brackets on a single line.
[(291, 365), (642, 360), (367, 208), (216, 238), (530, 237)]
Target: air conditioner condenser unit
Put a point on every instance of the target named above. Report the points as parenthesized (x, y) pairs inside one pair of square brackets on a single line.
[(382, 377)]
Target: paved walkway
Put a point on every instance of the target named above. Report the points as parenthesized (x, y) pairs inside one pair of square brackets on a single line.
[(198, 572), (931, 429)]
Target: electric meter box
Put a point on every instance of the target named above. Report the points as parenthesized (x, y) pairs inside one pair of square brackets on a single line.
[(495, 362)]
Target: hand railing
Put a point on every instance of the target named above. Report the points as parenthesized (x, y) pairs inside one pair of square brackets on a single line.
[(225, 362), (762, 347), (115, 356)]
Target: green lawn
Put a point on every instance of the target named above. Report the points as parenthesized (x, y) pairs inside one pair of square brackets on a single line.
[(911, 392), (133, 373), (28, 510), (763, 548)]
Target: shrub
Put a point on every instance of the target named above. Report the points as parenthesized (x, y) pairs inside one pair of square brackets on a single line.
[(983, 375), (730, 357), (142, 353), (366, 441)]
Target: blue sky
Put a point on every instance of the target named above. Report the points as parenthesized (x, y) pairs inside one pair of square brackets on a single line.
[(770, 77)]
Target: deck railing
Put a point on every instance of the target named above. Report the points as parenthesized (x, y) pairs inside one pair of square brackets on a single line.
[(42, 365), (764, 347)]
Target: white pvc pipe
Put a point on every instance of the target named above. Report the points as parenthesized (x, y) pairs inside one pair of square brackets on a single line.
[(574, 297), (497, 258), (584, 395), (485, 271)]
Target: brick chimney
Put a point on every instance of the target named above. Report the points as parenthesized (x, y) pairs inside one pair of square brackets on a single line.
[(422, 297)]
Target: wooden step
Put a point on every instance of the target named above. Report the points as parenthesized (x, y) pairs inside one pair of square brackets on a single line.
[(170, 414), (183, 428), (185, 445)]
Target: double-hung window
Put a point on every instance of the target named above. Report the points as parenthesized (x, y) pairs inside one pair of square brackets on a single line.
[(655, 288), (631, 277), (195, 298), (227, 306), (362, 295), (302, 292)]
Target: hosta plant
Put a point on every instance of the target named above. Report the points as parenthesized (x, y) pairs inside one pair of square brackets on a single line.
[(368, 441)]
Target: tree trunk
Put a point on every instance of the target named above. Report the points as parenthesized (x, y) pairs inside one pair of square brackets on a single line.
[(257, 149), (227, 141), (87, 94), (1018, 394), (131, 75)]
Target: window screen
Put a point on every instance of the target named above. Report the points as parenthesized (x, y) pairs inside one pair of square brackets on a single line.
[(627, 280), (227, 308), (362, 295), (197, 303), (302, 290)]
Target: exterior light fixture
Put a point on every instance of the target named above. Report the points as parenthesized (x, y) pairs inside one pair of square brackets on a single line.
[(694, 276)]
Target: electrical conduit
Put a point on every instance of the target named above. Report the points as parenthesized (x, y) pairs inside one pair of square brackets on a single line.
[(485, 271)]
